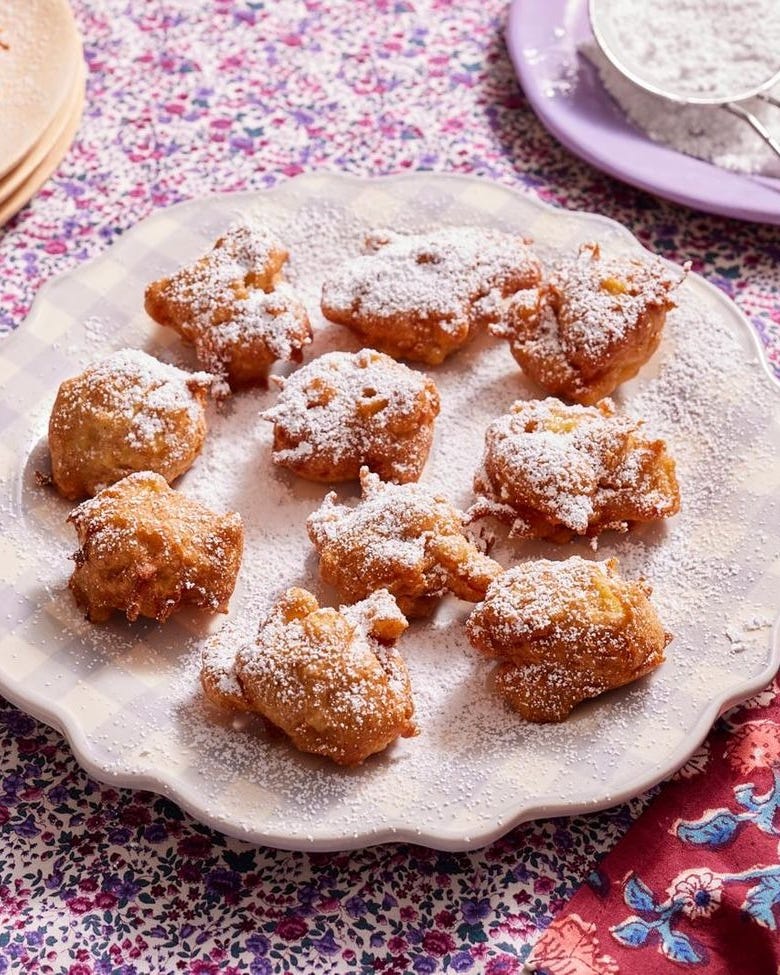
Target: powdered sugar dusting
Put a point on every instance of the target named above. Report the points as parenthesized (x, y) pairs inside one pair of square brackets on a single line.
[(218, 666), (274, 317), (429, 275), (145, 392), (132, 399), (232, 305), (344, 405), (377, 522), (604, 300), (474, 764), (283, 652), (247, 253), (585, 468), (521, 609)]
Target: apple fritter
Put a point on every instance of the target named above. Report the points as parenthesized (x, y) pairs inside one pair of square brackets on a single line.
[(555, 471), (146, 550), (403, 538), (592, 325), (234, 308), (331, 680), (421, 296), (565, 631), (127, 413), (346, 410)]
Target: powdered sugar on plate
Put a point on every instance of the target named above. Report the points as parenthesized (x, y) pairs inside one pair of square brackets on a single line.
[(133, 691)]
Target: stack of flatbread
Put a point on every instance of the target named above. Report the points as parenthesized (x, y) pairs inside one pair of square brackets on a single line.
[(41, 95)]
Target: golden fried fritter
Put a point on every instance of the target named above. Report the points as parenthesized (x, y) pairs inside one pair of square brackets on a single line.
[(129, 412), (232, 306), (346, 410), (593, 325), (400, 537), (146, 550), (420, 297), (564, 632), (330, 680), (554, 471), (218, 675)]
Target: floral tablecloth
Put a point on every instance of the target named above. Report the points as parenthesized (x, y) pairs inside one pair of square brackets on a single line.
[(187, 97)]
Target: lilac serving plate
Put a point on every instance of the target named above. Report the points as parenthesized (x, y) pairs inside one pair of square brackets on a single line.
[(565, 92)]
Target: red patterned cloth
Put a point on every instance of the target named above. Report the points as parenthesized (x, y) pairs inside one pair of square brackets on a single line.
[(695, 883)]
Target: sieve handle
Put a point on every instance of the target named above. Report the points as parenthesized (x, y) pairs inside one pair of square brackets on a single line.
[(756, 124)]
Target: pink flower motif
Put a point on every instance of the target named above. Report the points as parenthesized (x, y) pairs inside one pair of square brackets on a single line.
[(543, 885), (291, 928), (79, 905), (502, 965), (438, 943), (698, 891), (203, 967), (754, 745), (570, 947), (445, 919)]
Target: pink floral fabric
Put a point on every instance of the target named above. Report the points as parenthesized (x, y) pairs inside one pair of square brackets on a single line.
[(190, 97)]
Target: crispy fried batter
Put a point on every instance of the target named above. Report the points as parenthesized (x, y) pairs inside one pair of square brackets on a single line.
[(218, 675), (346, 410), (564, 632), (420, 297), (402, 538), (554, 471), (233, 307), (129, 412), (146, 550), (331, 680), (593, 325)]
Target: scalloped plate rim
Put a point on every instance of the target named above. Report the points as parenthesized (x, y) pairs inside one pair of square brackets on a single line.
[(67, 724)]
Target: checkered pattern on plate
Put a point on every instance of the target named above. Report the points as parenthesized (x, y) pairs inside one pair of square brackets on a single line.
[(127, 697)]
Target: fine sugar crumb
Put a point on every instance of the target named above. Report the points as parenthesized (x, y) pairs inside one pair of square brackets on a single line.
[(696, 48), (430, 275), (705, 131), (743, 636)]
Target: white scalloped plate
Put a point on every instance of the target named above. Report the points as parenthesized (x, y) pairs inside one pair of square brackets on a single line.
[(126, 696)]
